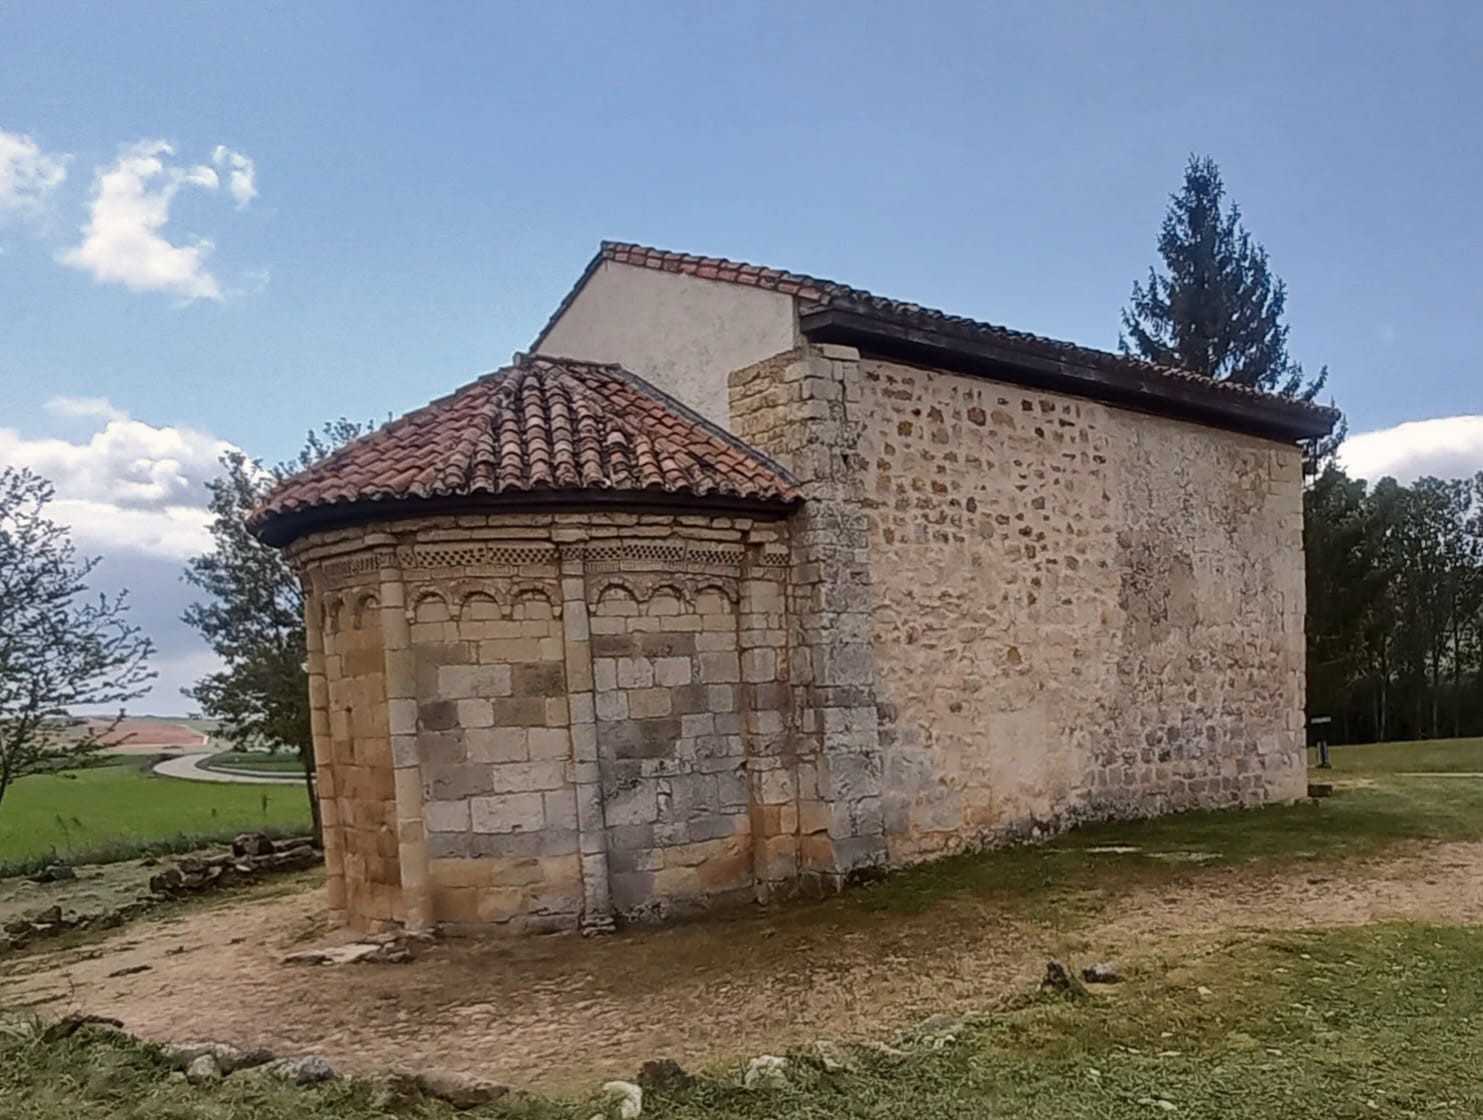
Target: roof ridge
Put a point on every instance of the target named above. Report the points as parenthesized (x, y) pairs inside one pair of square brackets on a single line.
[(833, 293), (543, 428)]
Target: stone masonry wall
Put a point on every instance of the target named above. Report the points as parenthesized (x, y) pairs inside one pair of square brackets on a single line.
[(593, 720), (802, 408), (353, 763), (1078, 611)]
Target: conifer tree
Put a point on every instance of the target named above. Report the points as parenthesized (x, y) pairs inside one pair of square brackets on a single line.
[(1216, 308)]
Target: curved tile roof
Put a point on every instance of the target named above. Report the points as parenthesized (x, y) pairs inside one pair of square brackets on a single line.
[(818, 293), (541, 427)]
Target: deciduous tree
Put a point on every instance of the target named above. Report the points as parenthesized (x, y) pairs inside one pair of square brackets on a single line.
[(61, 647), (253, 617)]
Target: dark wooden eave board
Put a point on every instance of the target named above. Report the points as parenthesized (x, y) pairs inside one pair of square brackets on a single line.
[(897, 338)]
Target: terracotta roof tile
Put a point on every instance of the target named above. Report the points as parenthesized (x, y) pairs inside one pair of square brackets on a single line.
[(540, 425), (828, 293)]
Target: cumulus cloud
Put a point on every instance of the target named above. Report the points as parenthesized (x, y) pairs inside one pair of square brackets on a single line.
[(129, 487), (241, 174), (1447, 447), (123, 242), (135, 494), (27, 174)]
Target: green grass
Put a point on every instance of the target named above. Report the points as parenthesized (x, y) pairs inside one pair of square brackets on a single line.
[(1374, 808), (119, 811), (1383, 1020), (1332, 1025), (260, 761)]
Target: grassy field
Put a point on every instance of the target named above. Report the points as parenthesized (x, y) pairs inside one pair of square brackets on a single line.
[(1376, 1021), (113, 811), (1381, 1020), (261, 761)]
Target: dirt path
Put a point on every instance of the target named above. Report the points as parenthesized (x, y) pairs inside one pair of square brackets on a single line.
[(561, 1011)]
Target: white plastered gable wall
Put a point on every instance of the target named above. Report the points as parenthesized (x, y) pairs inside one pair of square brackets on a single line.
[(685, 334)]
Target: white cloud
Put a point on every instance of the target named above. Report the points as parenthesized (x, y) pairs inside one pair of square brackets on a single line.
[(27, 174), (241, 174), (131, 487), (122, 241), (1447, 447), (85, 408)]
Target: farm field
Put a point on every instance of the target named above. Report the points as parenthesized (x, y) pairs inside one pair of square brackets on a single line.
[(117, 811)]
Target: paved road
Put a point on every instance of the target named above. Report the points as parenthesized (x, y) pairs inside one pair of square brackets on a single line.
[(188, 766)]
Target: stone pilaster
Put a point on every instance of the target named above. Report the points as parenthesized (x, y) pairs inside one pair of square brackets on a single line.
[(586, 777), (766, 724), (802, 408), (401, 703), (319, 726)]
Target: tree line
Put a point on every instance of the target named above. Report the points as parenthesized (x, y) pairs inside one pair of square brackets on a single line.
[(1395, 606)]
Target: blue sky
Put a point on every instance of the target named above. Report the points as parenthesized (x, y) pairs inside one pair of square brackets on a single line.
[(417, 185)]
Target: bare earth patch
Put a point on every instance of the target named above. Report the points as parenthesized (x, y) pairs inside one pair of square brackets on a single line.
[(557, 1012)]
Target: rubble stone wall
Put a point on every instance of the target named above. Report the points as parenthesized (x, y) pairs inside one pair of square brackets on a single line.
[(1078, 611)]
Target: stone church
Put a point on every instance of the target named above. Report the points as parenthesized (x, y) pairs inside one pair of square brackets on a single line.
[(742, 583)]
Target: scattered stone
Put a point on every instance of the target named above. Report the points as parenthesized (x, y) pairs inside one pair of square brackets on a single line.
[(51, 916), (167, 881), (1103, 972), (766, 1072), (1057, 978), (458, 1089), (228, 1058), (936, 1031), (69, 1025), (393, 950), (664, 1075), (131, 970), (300, 1071), (203, 1069), (54, 872), (834, 1057), (252, 844), (628, 1097)]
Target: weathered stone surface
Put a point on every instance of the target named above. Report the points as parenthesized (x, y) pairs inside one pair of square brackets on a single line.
[(461, 1090), (766, 1072), (300, 1071), (663, 1075), (625, 1099), (252, 844), (1103, 972)]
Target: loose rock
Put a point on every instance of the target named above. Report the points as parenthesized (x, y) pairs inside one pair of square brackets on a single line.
[(628, 1097), (203, 1069), (227, 1057), (1104, 972), (252, 844), (834, 1057), (766, 1072), (664, 1075), (300, 1071), (69, 1025), (458, 1089), (54, 872)]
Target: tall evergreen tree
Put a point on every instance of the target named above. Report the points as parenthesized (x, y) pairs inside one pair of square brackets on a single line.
[(1216, 308)]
